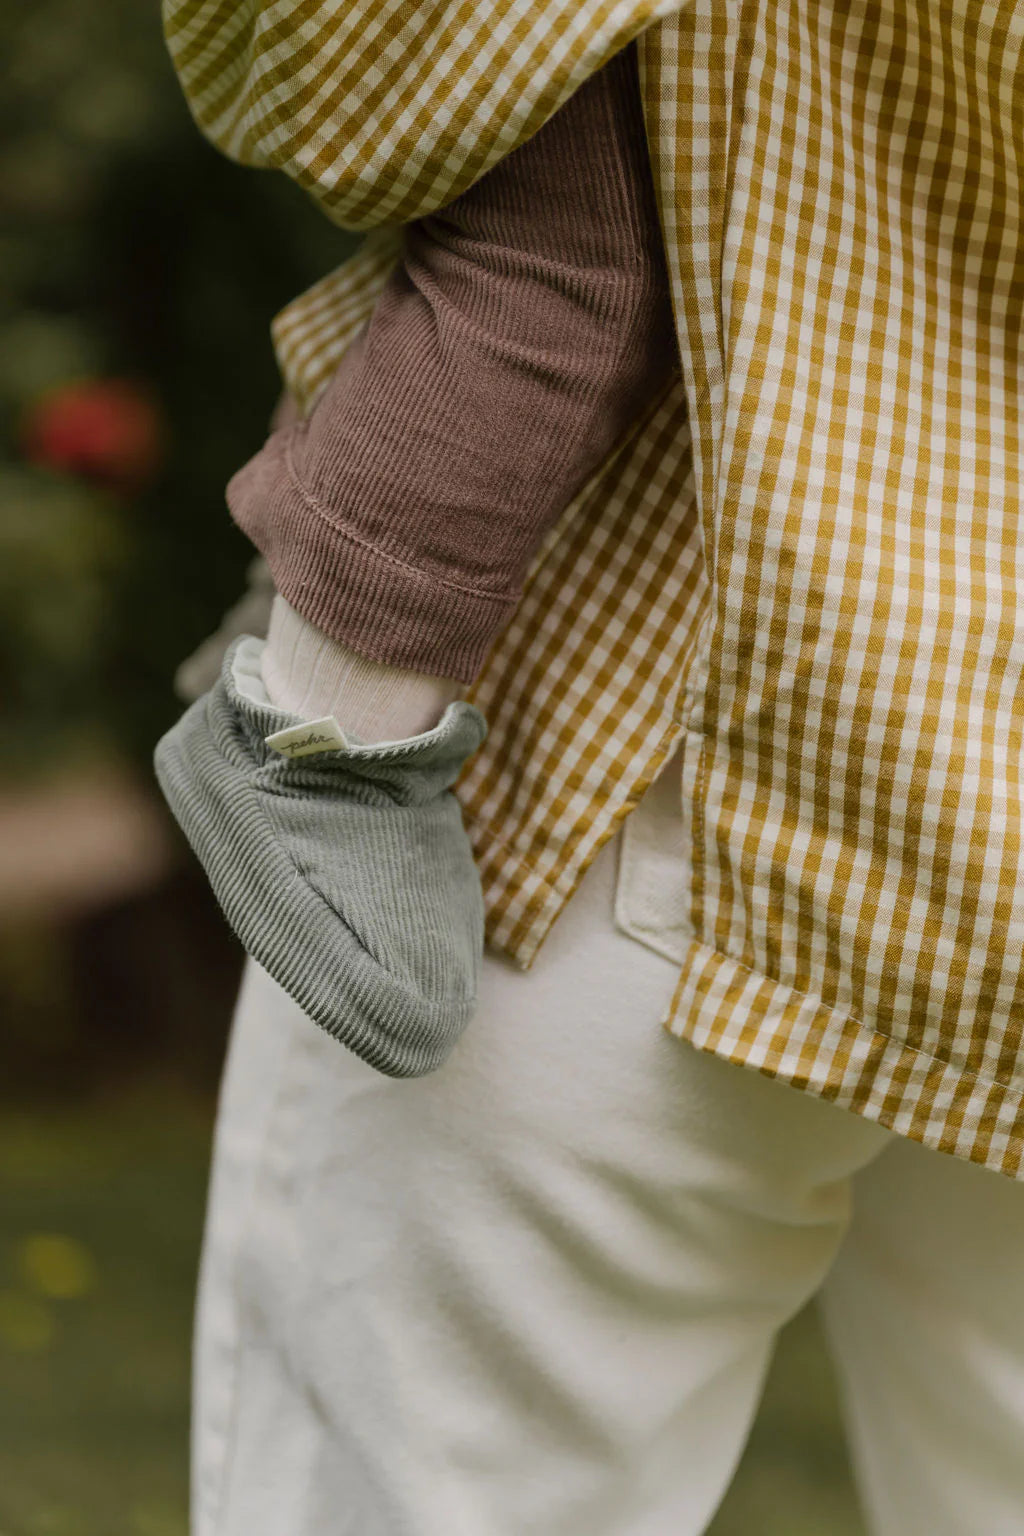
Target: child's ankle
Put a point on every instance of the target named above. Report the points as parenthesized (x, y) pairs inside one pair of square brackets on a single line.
[(310, 674)]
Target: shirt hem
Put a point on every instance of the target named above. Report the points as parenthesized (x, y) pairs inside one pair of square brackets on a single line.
[(721, 1005)]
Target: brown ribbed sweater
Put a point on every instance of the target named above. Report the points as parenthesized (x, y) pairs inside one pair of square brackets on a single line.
[(527, 325)]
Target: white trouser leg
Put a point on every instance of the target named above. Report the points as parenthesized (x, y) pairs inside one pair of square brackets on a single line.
[(925, 1314), (532, 1294), (250, 1096)]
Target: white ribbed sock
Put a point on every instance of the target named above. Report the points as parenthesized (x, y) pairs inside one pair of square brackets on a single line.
[(309, 674)]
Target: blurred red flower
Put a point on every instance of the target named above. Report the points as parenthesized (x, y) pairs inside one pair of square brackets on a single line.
[(107, 431)]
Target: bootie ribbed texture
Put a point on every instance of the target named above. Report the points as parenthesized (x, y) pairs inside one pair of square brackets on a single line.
[(348, 873)]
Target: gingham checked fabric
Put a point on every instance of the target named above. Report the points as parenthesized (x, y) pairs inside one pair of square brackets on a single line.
[(820, 594), (385, 110)]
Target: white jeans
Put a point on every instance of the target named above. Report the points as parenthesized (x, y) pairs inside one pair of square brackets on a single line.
[(535, 1293)]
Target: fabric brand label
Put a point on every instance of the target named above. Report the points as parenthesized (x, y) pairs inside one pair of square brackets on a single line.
[(311, 736)]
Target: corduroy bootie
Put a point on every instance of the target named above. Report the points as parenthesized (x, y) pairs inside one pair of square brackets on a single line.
[(344, 868)]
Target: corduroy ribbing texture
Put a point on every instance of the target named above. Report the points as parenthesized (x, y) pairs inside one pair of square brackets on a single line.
[(347, 874), (526, 327)]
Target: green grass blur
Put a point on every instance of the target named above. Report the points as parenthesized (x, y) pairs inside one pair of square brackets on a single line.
[(100, 1207)]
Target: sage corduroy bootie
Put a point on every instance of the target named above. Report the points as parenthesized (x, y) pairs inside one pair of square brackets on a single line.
[(346, 872)]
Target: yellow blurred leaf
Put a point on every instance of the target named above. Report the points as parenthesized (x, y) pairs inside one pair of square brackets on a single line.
[(57, 1266)]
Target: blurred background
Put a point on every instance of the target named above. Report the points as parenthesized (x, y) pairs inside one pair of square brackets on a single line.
[(139, 272)]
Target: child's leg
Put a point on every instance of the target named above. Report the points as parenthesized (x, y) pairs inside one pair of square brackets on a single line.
[(532, 1294), (925, 1316)]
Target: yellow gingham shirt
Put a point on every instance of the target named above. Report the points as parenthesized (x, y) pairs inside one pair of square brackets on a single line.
[(805, 567)]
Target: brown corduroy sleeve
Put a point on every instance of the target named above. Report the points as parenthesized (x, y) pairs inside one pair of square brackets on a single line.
[(527, 326)]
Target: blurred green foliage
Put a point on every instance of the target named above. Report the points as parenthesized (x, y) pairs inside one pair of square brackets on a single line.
[(100, 1210), (128, 249)]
